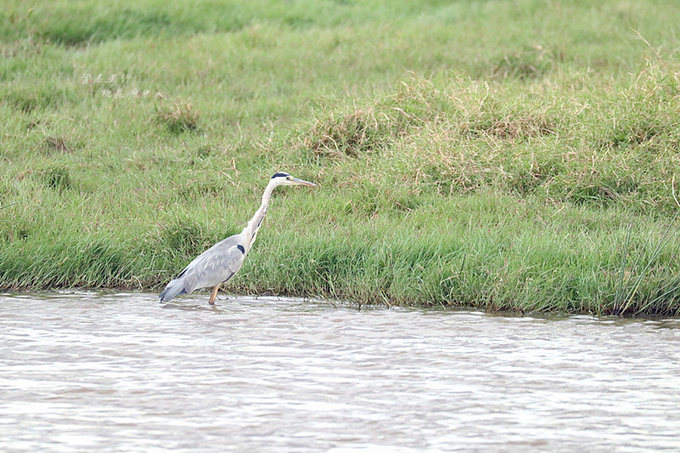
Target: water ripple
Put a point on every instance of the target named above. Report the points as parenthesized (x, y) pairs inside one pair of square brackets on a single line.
[(119, 372)]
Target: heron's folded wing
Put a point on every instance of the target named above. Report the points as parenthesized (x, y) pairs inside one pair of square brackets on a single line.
[(214, 266)]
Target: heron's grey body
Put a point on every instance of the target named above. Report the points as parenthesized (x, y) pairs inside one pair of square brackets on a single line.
[(216, 265), (221, 261)]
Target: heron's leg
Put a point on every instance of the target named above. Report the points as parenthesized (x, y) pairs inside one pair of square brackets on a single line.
[(213, 295)]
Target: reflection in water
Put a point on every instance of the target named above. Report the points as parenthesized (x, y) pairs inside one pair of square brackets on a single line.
[(82, 371)]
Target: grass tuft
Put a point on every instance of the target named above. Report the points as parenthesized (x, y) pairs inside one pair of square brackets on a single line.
[(57, 144), (178, 117), (514, 128), (56, 177), (351, 134), (533, 63)]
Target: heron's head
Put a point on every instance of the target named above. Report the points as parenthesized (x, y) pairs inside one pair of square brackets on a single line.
[(284, 179)]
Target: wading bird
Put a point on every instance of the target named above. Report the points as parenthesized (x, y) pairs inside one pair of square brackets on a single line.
[(221, 261)]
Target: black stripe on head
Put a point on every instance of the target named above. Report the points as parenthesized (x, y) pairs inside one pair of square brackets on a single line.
[(280, 174), (241, 248)]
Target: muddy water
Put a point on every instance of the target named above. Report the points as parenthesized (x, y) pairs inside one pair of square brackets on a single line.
[(120, 372)]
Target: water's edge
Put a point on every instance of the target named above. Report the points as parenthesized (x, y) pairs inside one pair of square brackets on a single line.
[(198, 296)]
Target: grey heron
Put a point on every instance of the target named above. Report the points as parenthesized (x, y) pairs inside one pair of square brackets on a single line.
[(220, 262)]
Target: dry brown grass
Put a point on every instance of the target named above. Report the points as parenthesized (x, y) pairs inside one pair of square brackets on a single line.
[(615, 145)]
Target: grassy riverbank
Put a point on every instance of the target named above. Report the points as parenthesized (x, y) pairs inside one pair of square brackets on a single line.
[(508, 155)]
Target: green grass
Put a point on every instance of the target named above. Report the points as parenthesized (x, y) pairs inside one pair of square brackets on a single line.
[(514, 155)]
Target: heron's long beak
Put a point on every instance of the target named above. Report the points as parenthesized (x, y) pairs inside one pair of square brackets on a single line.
[(301, 182)]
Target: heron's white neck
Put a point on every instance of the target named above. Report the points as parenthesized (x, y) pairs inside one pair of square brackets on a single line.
[(249, 233)]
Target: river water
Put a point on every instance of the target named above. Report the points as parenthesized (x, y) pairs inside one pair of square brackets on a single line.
[(120, 372)]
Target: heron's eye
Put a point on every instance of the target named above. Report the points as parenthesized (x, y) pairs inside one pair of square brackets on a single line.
[(290, 178)]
